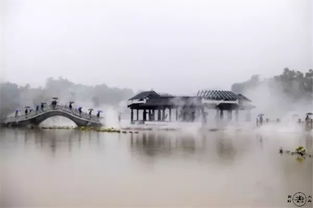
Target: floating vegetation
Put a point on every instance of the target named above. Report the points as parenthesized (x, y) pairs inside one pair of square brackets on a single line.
[(110, 130), (300, 152), (113, 130)]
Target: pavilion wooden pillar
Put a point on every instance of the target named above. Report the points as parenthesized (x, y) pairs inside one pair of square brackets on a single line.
[(237, 115), (153, 112), (203, 115), (221, 114), (229, 115), (149, 115), (137, 116), (144, 115), (248, 116), (159, 114), (176, 114), (132, 116), (170, 114), (163, 114)]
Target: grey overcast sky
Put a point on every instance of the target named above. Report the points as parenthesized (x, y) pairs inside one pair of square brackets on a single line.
[(175, 46)]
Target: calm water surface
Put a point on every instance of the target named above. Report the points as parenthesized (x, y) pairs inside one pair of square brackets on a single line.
[(71, 168)]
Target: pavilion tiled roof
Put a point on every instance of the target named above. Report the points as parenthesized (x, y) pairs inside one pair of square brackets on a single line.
[(153, 99), (217, 95)]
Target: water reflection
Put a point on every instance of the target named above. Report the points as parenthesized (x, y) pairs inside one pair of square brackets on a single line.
[(206, 147), (52, 140), (77, 168)]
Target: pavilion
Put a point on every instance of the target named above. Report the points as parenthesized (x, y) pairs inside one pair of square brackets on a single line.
[(152, 106)]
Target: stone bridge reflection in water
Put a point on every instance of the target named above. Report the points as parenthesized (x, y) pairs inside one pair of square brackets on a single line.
[(71, 168)]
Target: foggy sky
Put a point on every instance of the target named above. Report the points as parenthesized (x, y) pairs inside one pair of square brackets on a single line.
[(175, 46)]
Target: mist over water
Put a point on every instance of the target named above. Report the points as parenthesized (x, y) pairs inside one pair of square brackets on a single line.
[(71, 168)]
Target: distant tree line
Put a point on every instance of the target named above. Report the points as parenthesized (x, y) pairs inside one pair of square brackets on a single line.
[(296, 84), (14, 97), (293, 84)]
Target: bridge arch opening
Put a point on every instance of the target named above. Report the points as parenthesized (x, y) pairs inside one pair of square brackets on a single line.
[(57, 121)]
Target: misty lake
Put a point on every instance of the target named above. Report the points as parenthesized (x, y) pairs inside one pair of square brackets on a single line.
[(72, 168)]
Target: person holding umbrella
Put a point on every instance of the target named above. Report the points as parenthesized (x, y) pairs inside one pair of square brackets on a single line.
[(26, 110), (71, 105), (90, 112), (54, 102), (98, 114), (261, 119), (80, 111), (42, 106), (308, 121)]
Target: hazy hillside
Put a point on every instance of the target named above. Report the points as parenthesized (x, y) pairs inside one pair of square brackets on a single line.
[(290, 91)]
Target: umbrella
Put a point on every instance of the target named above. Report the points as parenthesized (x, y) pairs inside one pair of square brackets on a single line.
[(98, 114), (71, 102), (55, 98), (27, 106), (310, 113), (261, 114)]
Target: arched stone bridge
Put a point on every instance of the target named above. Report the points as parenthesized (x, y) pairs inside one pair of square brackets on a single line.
[(34, 118)]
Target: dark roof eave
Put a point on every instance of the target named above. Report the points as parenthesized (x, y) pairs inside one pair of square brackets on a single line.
[(144, 94)]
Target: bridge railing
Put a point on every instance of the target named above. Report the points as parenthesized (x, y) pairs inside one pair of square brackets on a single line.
[(47, 108)]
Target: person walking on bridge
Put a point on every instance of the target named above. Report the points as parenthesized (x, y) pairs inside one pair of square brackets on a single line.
[(80, 111), (98, 114), (90, 112), (71, 105), (16, 113), (42, 106), (54, 104), (26, 111)]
